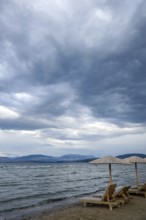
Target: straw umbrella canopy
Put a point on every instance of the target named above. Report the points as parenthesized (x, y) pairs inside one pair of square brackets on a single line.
[(109, 160), (135, 160)]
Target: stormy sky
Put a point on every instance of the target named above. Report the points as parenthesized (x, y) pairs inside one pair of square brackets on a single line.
[(72, 77)]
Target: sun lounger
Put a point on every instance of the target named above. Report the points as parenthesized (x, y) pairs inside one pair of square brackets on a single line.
[(122, 194), (140, 190), (106, 199)]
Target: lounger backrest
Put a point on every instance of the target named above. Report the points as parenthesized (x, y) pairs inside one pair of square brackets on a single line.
[(118, 190), (122, 190), (108, 194), (143, 187), (125, 189)]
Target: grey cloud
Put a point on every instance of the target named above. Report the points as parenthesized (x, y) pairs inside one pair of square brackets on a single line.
[(103, 63), (120, 74), (22, 124)]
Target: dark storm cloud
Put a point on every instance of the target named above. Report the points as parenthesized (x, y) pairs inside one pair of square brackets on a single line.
[(19, 124), (41, 51), (116, 87)]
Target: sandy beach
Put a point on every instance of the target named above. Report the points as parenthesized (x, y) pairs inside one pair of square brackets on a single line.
[(135, 210)]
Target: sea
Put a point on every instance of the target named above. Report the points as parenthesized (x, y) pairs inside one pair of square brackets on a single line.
[(28, 188)]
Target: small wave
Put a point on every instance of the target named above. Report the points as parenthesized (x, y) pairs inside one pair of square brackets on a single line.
[(9, 184), (74, 172), (51, 200), (40, 175), (3, 167), (17, 208), (44, 166), (83, 179), (40, 195)]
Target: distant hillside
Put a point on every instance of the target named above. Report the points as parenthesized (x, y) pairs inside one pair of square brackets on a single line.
[(38, 158), (131, 155), (4, 159), (75, 157), (48, 159), (34, 158)]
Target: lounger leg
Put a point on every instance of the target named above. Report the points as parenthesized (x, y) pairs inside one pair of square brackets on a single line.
[(110, 207), (85, 204), (119, 205), (124, 197)]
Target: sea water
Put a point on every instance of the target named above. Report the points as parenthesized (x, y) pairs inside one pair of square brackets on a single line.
[(30, 185)]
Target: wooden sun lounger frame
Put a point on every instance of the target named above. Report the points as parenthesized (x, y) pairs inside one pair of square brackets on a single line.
[(123, 195), (141, 190), (106, 199)]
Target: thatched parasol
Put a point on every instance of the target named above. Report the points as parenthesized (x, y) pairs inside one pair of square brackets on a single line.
[(109, 160), (135, 160)]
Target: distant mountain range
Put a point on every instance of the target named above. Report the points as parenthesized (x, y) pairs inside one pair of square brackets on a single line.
[(48, 159), (65, 158), (131, 155)]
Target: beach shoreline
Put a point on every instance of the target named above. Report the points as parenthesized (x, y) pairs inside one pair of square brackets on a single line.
[(134, 210)]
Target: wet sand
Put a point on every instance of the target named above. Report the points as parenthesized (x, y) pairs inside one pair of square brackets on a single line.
[(135, 210)]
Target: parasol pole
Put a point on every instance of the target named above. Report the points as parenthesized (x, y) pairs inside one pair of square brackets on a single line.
[(110, 173), (136, 174)]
